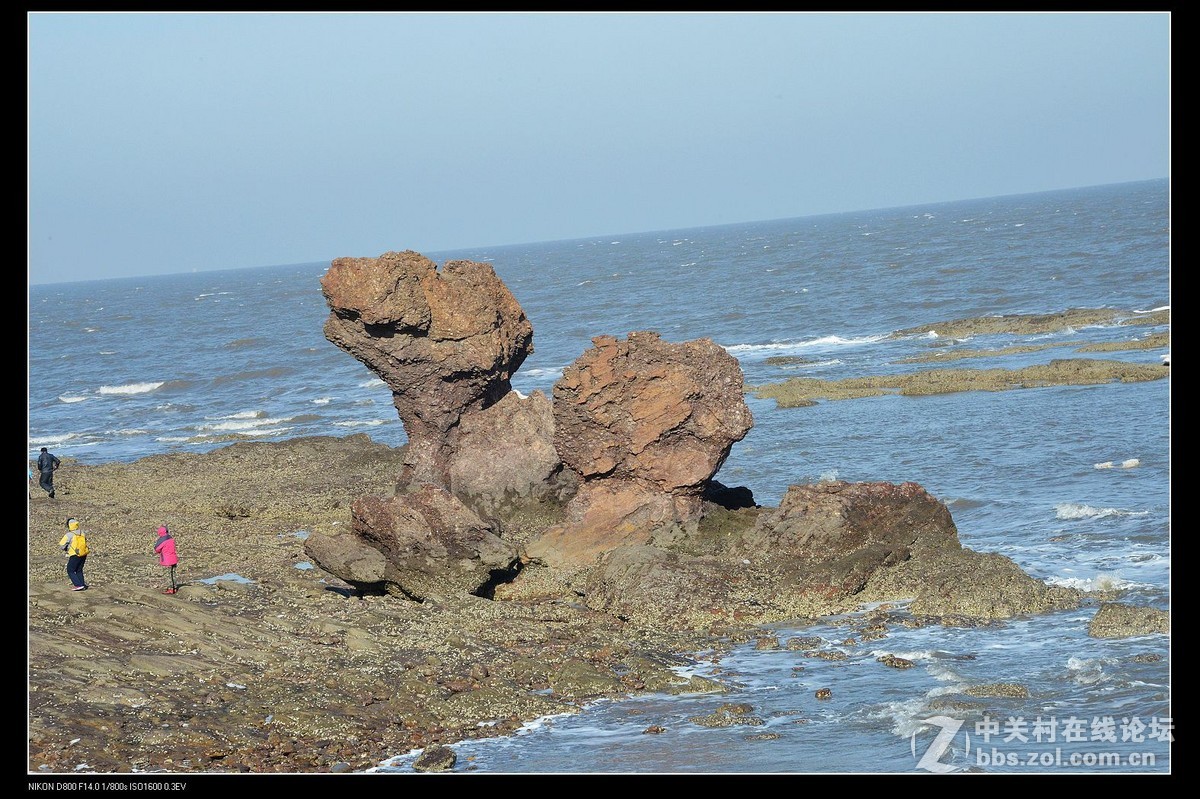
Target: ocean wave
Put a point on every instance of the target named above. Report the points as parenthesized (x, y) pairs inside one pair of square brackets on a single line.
[(907, 717), (1129, 463), (128, 431), (323, 400), (243, 415), (1101, 582), (372, 383), (550, 372), (1087, 671), (1073, 510), (364, 423), (70, 398), (238, 425), (1155, 310), (959, 503), (823, 341), (51, 441), (131, 388)]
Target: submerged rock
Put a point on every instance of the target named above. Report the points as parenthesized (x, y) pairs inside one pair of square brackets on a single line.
[(1119, 620), (436, 758), (801, 391)]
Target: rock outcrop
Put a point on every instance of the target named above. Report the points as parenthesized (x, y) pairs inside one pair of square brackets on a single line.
[(421, 544), (445, 341), (645, 424), (1120, 620), (607, 491), (826, 549)]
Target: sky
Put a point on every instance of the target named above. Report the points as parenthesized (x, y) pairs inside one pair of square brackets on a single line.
[(178, 142)]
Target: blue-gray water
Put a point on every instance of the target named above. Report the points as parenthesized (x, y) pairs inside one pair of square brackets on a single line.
[(119, 369)]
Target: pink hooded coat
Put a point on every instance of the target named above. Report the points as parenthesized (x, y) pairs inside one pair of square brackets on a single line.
[(165, 547)]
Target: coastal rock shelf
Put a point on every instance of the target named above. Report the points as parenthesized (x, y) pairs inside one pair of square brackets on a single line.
[(618, 477)]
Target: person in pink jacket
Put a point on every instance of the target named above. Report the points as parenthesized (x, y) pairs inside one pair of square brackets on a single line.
[(165, 547)]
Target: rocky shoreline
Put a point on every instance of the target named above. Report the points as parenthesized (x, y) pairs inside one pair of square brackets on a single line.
[(344, 602)]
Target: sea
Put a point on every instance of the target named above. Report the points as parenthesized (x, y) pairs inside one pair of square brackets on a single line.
[(1071, 482)]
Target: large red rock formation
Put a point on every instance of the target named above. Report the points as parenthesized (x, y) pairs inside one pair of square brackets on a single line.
[(645, 424), (446, 342)]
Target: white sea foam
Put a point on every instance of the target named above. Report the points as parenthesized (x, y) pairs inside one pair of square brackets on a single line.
[(131, 388), (173, 439), (374, 382), (323, 400), (554, 372), (1087, 671), (270, 431), (107, 352), (129, 431), (830, 476), (1155, 310), (1105, 465), (70, 398), (51, 441), (238, 423), (931, 334), (1101, 582), (823, 341), (1130, 463), (1073, 510), (907, 716), (243, 415), (362, 423)]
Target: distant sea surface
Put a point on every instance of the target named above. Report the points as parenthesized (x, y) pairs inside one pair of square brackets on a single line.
[(1072, 482)]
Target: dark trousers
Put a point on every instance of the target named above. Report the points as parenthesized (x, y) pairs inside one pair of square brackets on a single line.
[(171, 568), (47, 481), (75, 569)]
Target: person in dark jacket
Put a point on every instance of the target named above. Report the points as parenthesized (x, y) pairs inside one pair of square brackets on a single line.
[(48, 462)]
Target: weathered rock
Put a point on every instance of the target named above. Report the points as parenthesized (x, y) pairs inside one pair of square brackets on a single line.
[(969, 585), (1119, 620), (579, 679), (436, 758), (428, 544), (505, 457), (608, 514), (1010, 690), (645, 424), (647, 410), (832, 537), (658, 587), (445, 341), (730, 714)]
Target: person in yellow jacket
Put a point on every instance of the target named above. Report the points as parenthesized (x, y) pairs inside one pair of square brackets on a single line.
[(74, 543)]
